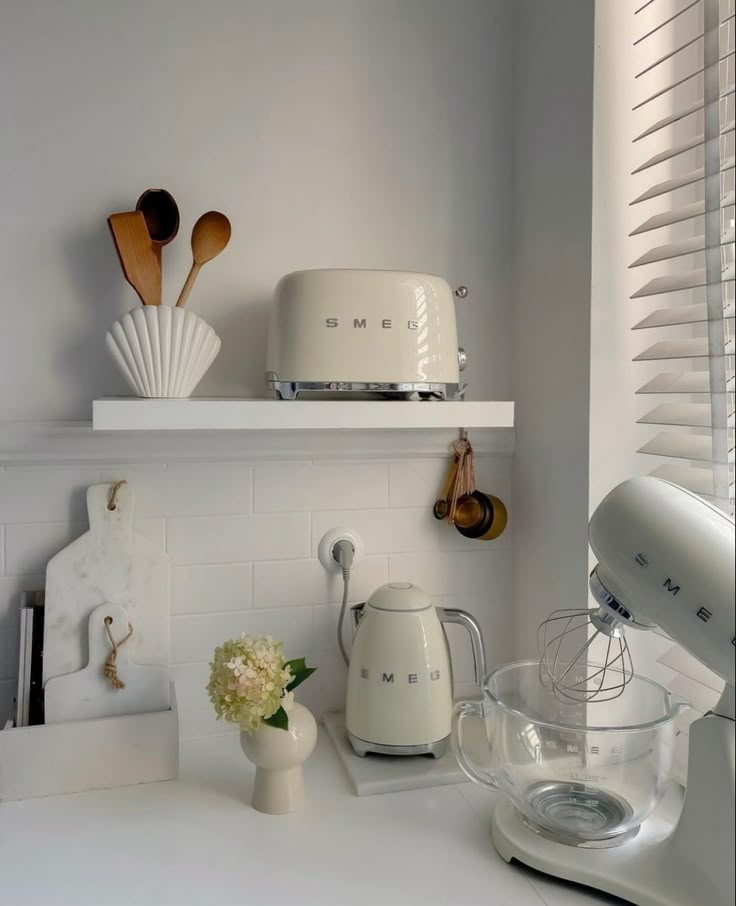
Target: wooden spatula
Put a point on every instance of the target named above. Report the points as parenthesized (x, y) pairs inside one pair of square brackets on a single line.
[(137, 258)]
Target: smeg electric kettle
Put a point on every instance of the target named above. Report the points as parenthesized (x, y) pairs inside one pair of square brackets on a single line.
[(399, 697)]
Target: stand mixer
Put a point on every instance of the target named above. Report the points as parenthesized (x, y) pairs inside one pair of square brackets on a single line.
[(665, 559)]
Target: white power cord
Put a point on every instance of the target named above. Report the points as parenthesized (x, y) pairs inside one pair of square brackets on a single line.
[(343, 552)]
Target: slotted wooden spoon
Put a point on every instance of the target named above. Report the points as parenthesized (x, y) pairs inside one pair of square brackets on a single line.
[(210, 236)]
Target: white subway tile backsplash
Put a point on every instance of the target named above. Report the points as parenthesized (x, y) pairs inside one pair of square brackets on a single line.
[(482, 573), (29, 546), (44, 495), (325, 689), (200, 489), (206, 589), (203, 722), (294, 487), (242, 539), (307, 582), (325, 627), (195, 637), (399, 531), (233, 539), (417, 482), (191, 685)]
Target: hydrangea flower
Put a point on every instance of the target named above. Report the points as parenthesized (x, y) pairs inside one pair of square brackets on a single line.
[(249, 680)]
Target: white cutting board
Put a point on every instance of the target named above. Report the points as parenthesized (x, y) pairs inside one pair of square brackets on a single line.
[(89, 694), (111, 563)]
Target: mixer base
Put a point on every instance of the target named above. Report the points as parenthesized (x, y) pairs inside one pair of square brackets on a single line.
[(683, 853), (634, 871)]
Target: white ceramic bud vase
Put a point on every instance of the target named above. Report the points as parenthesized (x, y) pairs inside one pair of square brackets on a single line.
[(278, 756)]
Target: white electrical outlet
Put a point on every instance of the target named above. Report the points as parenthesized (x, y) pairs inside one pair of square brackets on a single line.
[(328, 542)]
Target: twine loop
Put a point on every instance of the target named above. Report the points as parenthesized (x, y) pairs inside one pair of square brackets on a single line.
[(110, 669), (112, 500)]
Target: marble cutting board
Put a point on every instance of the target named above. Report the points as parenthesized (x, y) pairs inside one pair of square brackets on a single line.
[(88, 694), (108, 564)]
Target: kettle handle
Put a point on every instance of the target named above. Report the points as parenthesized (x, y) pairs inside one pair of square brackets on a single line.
[(463, 618), (357, 612)]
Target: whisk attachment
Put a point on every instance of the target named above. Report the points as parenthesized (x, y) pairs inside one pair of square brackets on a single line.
[(565, 641)]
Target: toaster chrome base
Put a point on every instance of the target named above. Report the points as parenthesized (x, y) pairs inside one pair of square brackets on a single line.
[(290, 390), (362, 748)]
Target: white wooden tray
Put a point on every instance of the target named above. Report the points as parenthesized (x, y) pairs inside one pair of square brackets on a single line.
[(77, 756)]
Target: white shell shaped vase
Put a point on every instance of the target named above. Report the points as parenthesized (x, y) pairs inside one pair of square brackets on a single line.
[(278, 756), (162, 352)]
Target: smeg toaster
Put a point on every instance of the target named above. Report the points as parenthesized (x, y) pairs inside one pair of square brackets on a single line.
[(382, 333)]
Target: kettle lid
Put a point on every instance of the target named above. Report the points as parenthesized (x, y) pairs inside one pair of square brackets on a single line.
[(399, 596)]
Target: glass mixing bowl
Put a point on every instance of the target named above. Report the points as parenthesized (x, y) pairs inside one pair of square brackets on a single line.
[(583, 774)]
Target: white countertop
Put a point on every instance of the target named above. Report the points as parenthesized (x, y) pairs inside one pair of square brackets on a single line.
[(197, 842)]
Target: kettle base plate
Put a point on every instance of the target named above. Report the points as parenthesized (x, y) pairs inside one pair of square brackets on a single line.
[(362, 747)]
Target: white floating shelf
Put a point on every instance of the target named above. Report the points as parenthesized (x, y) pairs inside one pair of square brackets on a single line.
[(295, 415)]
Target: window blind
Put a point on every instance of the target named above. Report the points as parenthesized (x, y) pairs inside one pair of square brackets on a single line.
[(683, 186)]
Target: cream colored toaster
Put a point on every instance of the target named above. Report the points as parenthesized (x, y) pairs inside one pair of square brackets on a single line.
[(388, 333)]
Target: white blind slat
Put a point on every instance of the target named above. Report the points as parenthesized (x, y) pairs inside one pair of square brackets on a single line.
[(675, 349), (673, 250), (678, 382), (667, 218), (671, 185), (695, 313), (688, 280), (680, 446), (697, 480), (684, 415), (670, 119), (672, 18), (669, 153), (669, 55), (671, 87)]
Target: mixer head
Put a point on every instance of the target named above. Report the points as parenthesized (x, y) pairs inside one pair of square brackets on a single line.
[(566, 640)]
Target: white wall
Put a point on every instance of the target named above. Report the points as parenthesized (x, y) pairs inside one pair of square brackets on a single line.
[(333, 133), (553, 72)]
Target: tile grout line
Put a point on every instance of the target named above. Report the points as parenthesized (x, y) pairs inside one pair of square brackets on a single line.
[(253, 605)]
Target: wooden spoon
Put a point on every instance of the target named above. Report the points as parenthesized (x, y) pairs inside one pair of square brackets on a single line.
[(162, 218), (139, 264), (210, 236)]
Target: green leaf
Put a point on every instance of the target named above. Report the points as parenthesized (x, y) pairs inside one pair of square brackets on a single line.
[(280, 720), (299, 678), (296, 665)]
